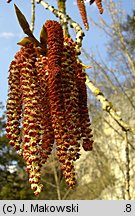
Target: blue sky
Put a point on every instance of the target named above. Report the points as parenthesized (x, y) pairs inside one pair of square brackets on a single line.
[(11, 33)]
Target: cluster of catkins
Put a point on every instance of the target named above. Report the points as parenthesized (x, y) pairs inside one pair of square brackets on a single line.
[(47, 105), (82, 9)]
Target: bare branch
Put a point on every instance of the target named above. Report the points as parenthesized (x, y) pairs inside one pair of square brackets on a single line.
[(107, 106), (32, 15), (119, 133), (127, 167), (56, 180), (62, 8)]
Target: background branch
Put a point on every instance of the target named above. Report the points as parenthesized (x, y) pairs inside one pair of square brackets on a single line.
[(56, 179), (107, 106), (32, 15), (127, 167)]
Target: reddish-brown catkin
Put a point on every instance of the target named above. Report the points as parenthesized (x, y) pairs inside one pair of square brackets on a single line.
[(83, 13), (69, 150), (55, 53), (70, 92), (46, 120), (14, 104), (84, 116), (55, 49), (49, 93), (99, 5), (31, 116)]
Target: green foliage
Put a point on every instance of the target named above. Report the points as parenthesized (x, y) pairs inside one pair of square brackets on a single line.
[(14, 186), (129, 31)]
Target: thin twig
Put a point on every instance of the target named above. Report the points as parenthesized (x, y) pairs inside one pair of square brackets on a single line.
[(118, 32), (32, 25), (127, 167), (99, 66), (118, 133), (52, 185), (107, 106), (116, 79), (56, 180), (66, 194)]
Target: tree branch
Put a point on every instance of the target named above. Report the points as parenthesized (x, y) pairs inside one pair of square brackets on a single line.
[(107, 106), (56, 179), (127, 168), (62, 8), (66, 19), (32, 15), (119, 133)]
